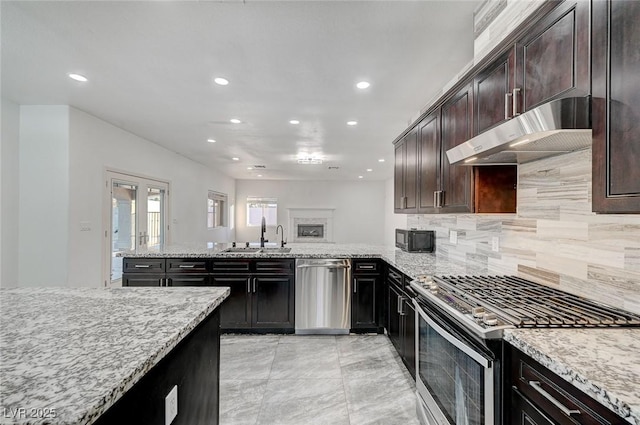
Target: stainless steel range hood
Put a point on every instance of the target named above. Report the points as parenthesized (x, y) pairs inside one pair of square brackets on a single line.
[(557, 127)]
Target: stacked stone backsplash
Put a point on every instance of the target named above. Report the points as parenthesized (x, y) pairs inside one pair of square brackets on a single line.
[(554, 238)]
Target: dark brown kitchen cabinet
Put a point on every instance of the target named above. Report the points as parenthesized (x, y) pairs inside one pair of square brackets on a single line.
[(457, 123), (165, 272), (616, 106), (367, 296), (553, 58), (493, 93), (429, 163), (536, 395), (401, 319), (406, 174), (262, 294)]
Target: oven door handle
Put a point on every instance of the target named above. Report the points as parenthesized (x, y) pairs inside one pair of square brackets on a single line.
[(475, 355)]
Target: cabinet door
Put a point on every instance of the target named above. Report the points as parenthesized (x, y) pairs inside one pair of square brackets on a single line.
[(456, 129), (188, 280), (616, 107), (365, 305), (406, 174), (554, 58), (273, 302), (236, 309), (429, 163), (493, 93), (393, 327), (142, 279), (409, 336)]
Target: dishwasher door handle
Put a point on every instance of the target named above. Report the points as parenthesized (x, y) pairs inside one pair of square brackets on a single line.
[(324, 266)]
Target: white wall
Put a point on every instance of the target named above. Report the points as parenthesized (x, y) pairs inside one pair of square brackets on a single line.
[(9, 201), (44, 195), (96, 145), (359, 207), (392, 220)]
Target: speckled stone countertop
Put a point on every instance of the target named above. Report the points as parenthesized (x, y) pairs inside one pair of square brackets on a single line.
[(409, 263), (604, 363), (70, 353)]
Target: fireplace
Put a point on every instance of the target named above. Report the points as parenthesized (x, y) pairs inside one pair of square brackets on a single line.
[(311, 224)]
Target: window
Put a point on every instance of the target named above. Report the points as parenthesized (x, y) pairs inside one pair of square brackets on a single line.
[(216, 210), (262, 207)]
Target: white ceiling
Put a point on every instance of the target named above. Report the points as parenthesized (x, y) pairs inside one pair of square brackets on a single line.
[(151, 66)]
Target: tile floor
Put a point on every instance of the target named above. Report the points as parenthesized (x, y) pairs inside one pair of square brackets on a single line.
[(306, 380)]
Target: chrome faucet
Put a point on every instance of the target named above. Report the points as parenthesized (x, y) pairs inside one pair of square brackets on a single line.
[(263, 229), (282, 242)]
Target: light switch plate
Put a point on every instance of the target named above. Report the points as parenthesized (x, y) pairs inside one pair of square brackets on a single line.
[(453, 237), (171, 406)]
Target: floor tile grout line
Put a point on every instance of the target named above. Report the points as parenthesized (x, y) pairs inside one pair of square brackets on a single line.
[(264, 396)]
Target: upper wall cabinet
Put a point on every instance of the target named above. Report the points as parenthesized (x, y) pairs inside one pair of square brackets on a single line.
[(457, 123), (429, 157), (616, 106), (552, 60), (406, 174), (493, 93)]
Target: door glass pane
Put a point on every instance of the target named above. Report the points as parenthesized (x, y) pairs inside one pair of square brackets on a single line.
[(123, 224), (155, 218)]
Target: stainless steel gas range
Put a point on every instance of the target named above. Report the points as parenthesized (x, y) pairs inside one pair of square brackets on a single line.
[(459, 328)]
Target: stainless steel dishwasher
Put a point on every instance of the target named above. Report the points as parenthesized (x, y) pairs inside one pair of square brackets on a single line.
[(323, 296)]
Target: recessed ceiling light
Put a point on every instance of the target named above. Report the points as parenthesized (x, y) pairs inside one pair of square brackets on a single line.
[(221, 81), (369, 170), (363, 85), (294, 122), (235, 121), (360, 177), (352, 122), (236, 158), (381, 160), (78, 77), (249, 168), (259, 175), (211, 140)]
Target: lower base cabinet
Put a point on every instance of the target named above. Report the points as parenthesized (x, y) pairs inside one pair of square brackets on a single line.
[(367, 294), (194, 367), (538, 396), (401, 316)]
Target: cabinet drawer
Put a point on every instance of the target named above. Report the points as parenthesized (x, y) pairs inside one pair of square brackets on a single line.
[(557, 398), (394, 276), (188, 280), (366, 266), (225, 266), (187, 265), (143, 265), (274, 266)]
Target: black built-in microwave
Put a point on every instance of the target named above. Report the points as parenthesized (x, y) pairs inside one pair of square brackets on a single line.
[(413, 240)]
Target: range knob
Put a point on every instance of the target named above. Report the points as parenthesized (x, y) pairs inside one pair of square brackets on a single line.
[(433, 287), (490, 319), (477, 312)]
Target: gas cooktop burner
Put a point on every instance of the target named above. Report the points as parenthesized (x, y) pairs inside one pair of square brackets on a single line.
[(489, 304)]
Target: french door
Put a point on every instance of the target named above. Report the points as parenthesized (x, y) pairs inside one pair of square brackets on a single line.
[(137, 219)]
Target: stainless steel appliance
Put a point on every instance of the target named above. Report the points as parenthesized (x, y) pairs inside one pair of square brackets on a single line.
[(459, 327), (323, 296), (413, 240)]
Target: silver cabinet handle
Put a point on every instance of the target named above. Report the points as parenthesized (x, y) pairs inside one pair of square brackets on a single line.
[(366, 267), (538, 387), (435, 199), (254, 284), (399, 304), (514, 98), (248, 285), (186, 266), (506, 105), (402, 313), (355, 286), (142, 266)]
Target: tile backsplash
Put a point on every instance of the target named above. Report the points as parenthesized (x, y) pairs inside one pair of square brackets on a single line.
[(554, 238)]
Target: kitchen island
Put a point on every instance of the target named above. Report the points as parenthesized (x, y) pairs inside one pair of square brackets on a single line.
[(67, 355)]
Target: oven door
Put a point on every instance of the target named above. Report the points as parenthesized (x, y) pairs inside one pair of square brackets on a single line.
[(455, 378)]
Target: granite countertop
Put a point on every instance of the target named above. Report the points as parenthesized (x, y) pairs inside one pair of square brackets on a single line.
[(71, 353), (604, 363), (409, 263)]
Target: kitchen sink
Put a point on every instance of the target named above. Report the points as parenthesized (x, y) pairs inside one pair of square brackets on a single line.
[(242, 249), (275, 250)]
